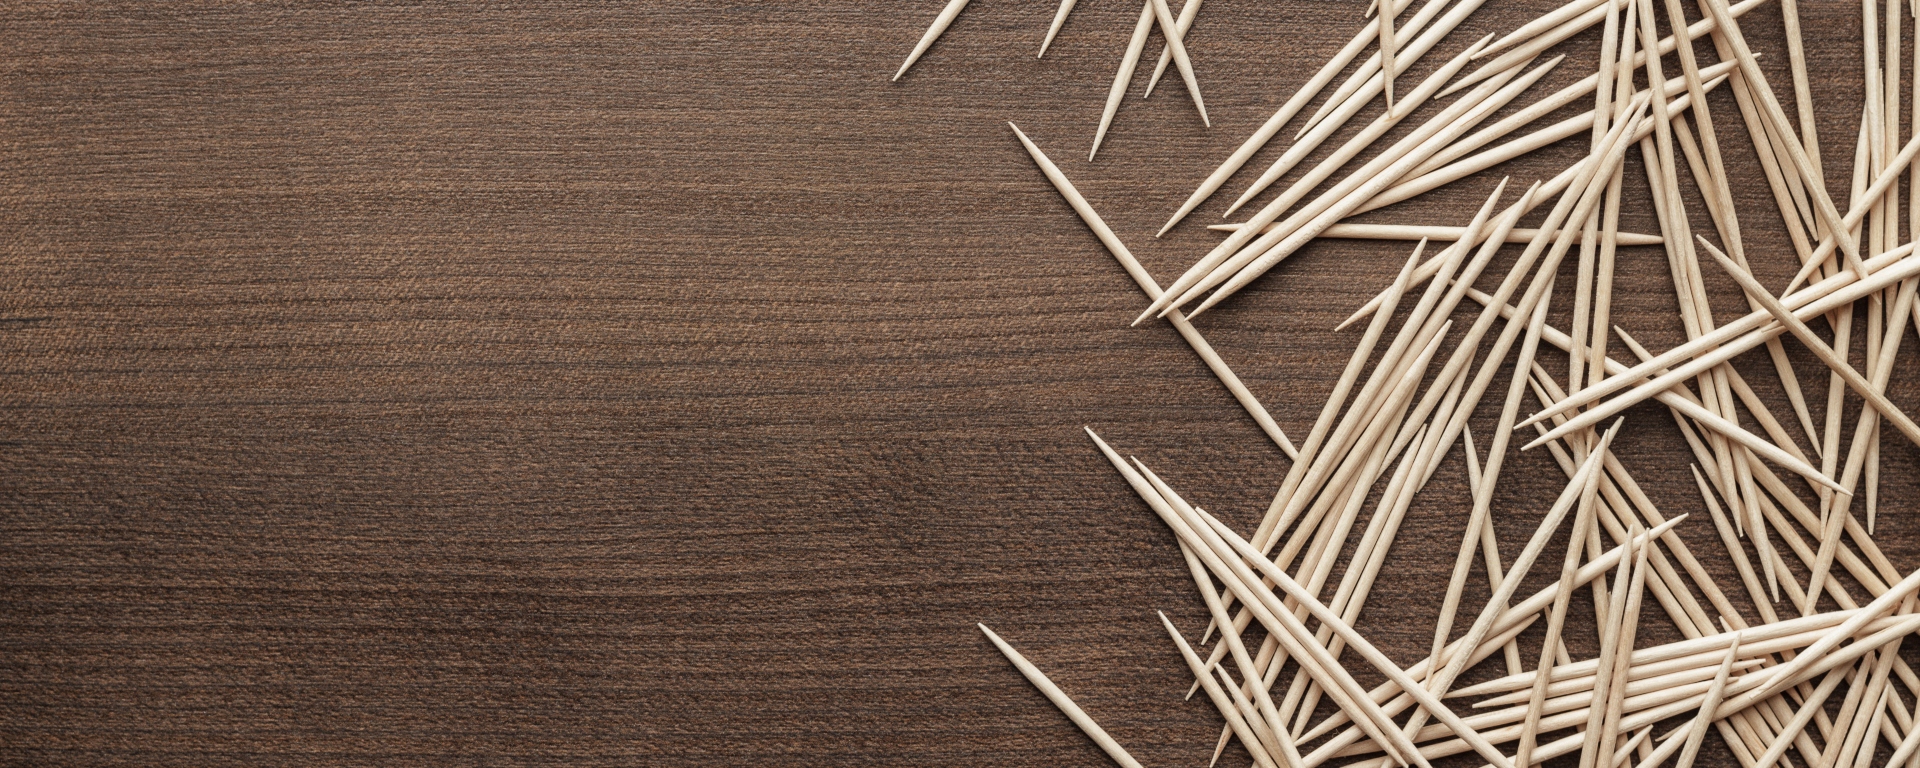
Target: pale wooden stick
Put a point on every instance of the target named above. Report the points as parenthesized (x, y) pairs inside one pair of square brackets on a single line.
[(1489, 545), (1750, 68), (1840, 510), (1686, 614), (1623, 644), (1263, 734), (1696, 668), (1544, 22), (1410, 150), (1123, 76), (1286, 113), (1720, 206), (1405, 188), (1758, 640), (1847, 723), (1393, 701), (1695, 312), (1697, 732), (1654, 707), (1692, 409), (1557, 616), (1139, 274), (1673, 88), (1171, 31), (1784, 675), (1522, 613), (1442, 233), (1291, 499), (1906, 749), (1233, 642), (1430, 703), (1671, 744), (1257, 258), (1280, 621), (1601, 115), (1606, 677), (1059, 19), (1188, 12), (1626, 750), (1456, 584), (1732, 543), (1372, 551), (1309, 466), (1800, 719), (1432, 266), (1386, 52), (1611, 238), (1750, 331), (940, 24), (1484, 623), (1862, 204), (1367, 80), (1591, 17), (1802, 92), (1060, 699), (1658, 385), (1532, 298), (1799, 329), (1351, 149), (1542, 42), (1219, 697)]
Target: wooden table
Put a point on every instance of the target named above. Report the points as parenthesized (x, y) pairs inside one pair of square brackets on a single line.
[(657, 384)]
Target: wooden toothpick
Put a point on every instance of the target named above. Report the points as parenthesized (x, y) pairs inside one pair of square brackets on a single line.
[(1059, 19), (940, 24), (1061, 700)]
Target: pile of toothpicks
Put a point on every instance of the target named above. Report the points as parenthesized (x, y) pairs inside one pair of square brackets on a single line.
[(1812, 672)]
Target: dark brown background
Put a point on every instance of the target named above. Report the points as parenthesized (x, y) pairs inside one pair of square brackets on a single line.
[(657, 384)]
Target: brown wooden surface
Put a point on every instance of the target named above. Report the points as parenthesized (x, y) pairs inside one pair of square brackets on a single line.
[(657, 384)]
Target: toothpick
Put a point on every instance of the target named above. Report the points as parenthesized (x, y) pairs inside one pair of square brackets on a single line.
[(940, 24), (1314, 217), (1405, 188), (1059, 18), (1060, 699), (1799, 329), (1231, 638), (1541, 24), (1386, 52), (1367, 80), (1171, 32), (1733, 338), (1410, 232), (1132, 266), (1280, 621), (1188, 12), (1697, 732), (1557, 616), (1123, 76), (1280, 118), (1219, 697), (1351, 149), (1823, 204), (1341, 201), (1518, 614), (1691, 409), (1800, 719)]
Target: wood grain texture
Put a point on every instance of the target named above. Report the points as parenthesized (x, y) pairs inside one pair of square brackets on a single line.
[(656, 384)]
